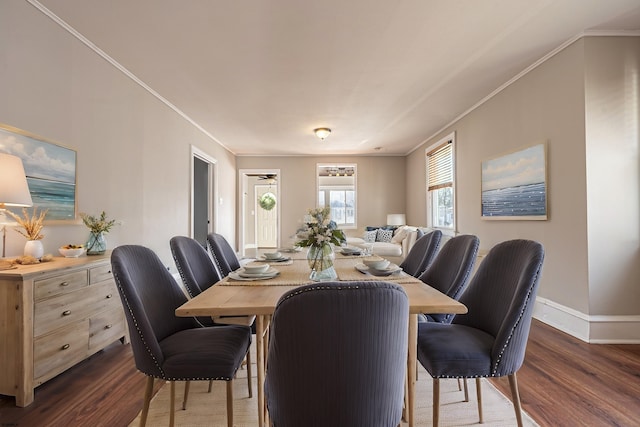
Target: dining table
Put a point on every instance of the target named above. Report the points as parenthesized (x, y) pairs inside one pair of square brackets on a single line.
[(235, 295)]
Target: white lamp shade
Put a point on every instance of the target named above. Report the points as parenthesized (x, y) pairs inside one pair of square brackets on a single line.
[(396, 219), (14, 190)]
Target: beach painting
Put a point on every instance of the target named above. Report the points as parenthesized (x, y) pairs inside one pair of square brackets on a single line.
[(514, 186), (50, 171)]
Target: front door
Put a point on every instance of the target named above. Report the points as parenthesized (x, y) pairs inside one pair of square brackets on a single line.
[(266, 220)]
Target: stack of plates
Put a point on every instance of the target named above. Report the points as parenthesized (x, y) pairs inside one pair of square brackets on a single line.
[(281, 259), (350, 251), (389, 270), (291, 250), (241, 274)]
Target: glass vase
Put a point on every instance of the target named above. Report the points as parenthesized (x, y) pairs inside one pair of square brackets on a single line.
[(97, 244), (320, 259)]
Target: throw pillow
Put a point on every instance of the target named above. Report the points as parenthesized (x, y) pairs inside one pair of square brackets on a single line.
[(399, 235), (384, 235), (370, 236)]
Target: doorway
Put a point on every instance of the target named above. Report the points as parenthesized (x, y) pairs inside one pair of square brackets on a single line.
[(203, 195), (260, 210)]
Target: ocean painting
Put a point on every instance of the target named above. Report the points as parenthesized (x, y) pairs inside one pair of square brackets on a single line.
[(515, 186), (50, 170)]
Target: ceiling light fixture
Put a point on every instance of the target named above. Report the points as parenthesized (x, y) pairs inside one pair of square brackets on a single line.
[(322, 133)]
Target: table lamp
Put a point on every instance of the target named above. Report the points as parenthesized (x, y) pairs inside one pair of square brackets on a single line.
[(396, 219), (14, 190)]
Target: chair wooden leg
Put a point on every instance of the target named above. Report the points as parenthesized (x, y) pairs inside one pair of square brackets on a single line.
[(479, 394), (186, 395), (249, 373), (210, 386), (405, 405), (172, 408), (148, 391), (515, 396), (466, 390), (459, 385), (436, 402), (230, 403)]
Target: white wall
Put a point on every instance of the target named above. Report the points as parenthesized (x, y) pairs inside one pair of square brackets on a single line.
[(591, 264), (380, 187), (612, 81), (133, 152)]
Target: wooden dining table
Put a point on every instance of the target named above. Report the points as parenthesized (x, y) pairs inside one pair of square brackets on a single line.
[(260, 297)]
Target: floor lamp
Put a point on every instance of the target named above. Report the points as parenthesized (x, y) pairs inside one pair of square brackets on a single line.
[(14, 190)]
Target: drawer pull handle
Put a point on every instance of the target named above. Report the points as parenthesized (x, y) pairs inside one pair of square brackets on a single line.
[(66, 312), (64, 284), (109, 296), (108, 327), (66, 346)]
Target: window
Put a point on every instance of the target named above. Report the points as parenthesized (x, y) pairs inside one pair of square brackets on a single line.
[(440, 184), (337, 189)]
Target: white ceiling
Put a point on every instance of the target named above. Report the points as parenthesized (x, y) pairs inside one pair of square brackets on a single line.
[(259, 75)]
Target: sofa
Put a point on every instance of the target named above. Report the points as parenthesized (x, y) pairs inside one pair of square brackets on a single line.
[(390, 242)]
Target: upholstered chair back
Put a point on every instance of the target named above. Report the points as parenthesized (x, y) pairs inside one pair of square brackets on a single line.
[(422, 253), (338, 355), (223, 254), (500, 300), (451, 270), (194, 264)]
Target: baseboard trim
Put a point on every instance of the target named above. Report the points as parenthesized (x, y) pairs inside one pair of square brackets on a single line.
[(596, 329)]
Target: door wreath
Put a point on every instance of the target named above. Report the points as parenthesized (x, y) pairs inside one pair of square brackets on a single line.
[(267, 201)]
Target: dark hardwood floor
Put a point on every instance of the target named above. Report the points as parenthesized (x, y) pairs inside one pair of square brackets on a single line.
[(564, 382)]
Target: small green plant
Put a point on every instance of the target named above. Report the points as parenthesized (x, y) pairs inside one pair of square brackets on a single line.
[(99, 224)]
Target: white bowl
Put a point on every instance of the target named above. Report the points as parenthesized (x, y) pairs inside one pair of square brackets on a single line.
[(256, 267), (376, 262), (272, 255), (71, 253)]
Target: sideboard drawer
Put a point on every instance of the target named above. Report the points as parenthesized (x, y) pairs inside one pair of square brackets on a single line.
[(99, 274), (60, 284), (59, 350), (106, 327), (63, 310), (105, 296)]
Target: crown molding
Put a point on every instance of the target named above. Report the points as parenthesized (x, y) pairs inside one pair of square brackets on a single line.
[(592, 33), (55, 18)]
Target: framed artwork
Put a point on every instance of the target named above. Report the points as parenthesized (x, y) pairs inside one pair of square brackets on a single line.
[(50, 171), (514, 186)]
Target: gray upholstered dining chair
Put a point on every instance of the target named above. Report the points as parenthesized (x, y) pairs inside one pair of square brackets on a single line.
[(194, 264), (223, 254), (490, 340), (449, 273), (198, 274), (451, 270), (165, 346), (338, 355), (422, 253)]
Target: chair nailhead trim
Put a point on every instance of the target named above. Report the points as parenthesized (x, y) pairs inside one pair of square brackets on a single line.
[(135, 321), (162, 375), (516, 324)]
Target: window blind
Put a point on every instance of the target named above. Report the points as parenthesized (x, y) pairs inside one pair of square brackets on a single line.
[(440, 166)]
